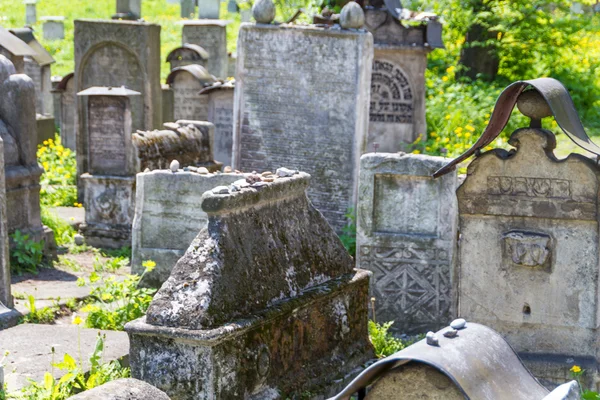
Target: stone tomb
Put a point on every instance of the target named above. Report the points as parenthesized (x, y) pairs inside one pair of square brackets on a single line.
[(211, 35), (167, 217), (244, 311), (406, 235), (529, 252), (186, 55), (288, 111), (220, 113), (397, 111), (187, 82), (114, 54), (66, 92)]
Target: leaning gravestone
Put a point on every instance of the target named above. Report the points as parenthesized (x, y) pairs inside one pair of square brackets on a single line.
[(114, 54), (406, 235), (187, 82), (167, 217), (289, 110), (244, 311), (220, 113), (211, 35)]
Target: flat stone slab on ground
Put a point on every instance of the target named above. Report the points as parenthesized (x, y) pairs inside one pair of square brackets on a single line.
[(30, 348), (75, 216)]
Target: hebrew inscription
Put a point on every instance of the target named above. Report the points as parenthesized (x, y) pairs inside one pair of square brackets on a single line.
[(529, 187), (391, 94), (527, 249)]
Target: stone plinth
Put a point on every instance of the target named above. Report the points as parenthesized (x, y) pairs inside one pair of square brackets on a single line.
[(529, 249), (211, 35), (187, 82), (167, 217), (243, 313), (220, 113), (54, 28), (406, 235), (289, 111)]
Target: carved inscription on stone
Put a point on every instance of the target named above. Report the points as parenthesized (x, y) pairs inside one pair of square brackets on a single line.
[(528, 249), (529, 187), (391, 94), (106, 127), (188, 104)]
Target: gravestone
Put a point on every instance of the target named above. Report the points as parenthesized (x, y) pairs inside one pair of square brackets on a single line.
[(397, 110), (14, 49), (167, 217), (529, 251), (30, 12), (6, 299), (168, 101), (187, 82), (211, 35), (68, 114), (18, 131), (186, 55), (406, 235), (220, 113), (231, 322), (46, 128), (114, 54), (209, 9), (128, 9), (188, 9), (54, 28), (288, 111)]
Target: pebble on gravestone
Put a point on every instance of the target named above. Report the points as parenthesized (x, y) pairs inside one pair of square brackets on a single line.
[(352, 16), (263, 11)]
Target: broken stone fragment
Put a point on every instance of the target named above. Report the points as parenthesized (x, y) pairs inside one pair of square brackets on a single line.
[(451, 333), (174, 166), (432, 339), (251, 179), (285, 172)]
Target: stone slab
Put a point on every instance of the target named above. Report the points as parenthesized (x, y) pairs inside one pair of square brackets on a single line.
[(289, 112), (5, 292), (30, 348)]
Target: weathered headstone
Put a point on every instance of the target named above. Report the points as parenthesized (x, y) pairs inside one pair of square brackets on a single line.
[(186, 55), (46, 128), (209, 9), (397, 111), (114, 54), (188, 8), (406, 235), (233, 323), (5, 296), (289, 111), (128, 9), (231, 65), (167, 217), (168, 103), (187, 82), (220, 113), (212, 36), (54, 28), (68, 113), (30, 12)]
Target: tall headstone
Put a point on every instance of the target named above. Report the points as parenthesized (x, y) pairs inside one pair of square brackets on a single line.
[(186, 55), (233, 323), (209, 9), (406, 235), (68, 117), (5, 296), (128, 10), (211, 35), (167, 217), (114, 54), (289, 111), (529, 251), (220, 113), (397, 111), (187, 82), (30, 12), (54, 28)]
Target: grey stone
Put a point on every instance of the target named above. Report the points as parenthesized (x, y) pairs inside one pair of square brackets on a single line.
[(285, 172), (168, 103), (566, 391), (186, 55), (450, 333), (352, 16), (203, 170), (186, 83), (122, 389), (209, 9), (459, 323), (263, 11), (432, 339), (212, 36), (221, 190), (129, 9), (187, 8), (68, 112), (293, 114), (5, 296), (533, 105), (406, 234), (54, 28), (46, 128), (79, 239), (167, 218), (228, 317), (220, 113), (30, 12), (174, 167)]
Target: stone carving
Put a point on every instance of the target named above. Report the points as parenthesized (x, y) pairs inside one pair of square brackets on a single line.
[(527, 248), (230, 313), (391, 94), (406, 235), (211, 35), (286, 112), (530, 187)]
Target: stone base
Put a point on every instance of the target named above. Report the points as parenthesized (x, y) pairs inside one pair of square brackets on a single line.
[(553, 370), (305, 344)]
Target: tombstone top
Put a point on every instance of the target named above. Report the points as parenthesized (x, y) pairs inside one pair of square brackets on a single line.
[(116, 21), (208, 22), (30, 1), (199, 50), (197, 71), (41, 56), (14, 45), (62, 84), (229, 85), (108, 91), (57, 18)]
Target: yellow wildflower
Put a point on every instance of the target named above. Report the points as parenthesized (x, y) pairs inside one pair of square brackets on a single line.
[(433, 134), (77, 319), (447, 116), (427, 148), (416, 151), (450, 69), (470, 128), (458, 130), (445, 78), (467, 135), (576, 369), (45, 142)]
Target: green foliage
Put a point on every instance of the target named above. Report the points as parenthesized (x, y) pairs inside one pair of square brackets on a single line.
[(118, 301), (63, 231), (60, 171), (383, 341), (45, 315), (75, 380), (123, 252), (26, 254), (576, 374), (348, 236)]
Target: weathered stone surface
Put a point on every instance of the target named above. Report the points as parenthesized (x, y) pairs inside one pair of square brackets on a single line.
[(406, 234), (187, 8), (263, 11), (243, 312), (168, 103), (129, 9), (212, 36), (5, 296), (292, 113), (529, 247), (122, 389), (30, 12), (45, 128), (187, 82), (114, 54), (167, 218), (220, 113)]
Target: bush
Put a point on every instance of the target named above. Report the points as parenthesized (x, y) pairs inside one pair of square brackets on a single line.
[(63, 231), (26, 254), (60, 172)]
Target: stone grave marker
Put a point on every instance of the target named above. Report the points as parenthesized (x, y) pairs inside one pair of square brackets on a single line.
[(212, 36), (5, 296), (30, 12), (406, 235), (68, 113), (46, 128), (230, 313), (168, 103), (220, 113), (128, 10), (187, 82), (188, 8), (397, 110), (54, 28), (186, 55), (289, 111), (209, 9)]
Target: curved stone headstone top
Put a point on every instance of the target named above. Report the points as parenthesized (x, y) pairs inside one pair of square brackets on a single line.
[(265, 243), (123, 389), (197, 71), (190, 51)]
